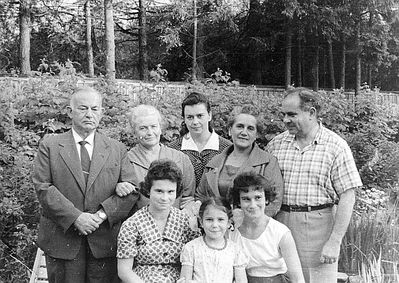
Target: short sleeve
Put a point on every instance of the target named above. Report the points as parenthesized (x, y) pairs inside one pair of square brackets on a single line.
[(187, 255), (241, 260), (127, 240), (344, 172)]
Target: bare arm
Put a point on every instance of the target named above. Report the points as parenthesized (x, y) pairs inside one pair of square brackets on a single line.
[(288, 250), (125, 271), (330, 251), (240, 275), (186, 273)]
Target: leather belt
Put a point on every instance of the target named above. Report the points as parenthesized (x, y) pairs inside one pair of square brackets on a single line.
[(298, 208)]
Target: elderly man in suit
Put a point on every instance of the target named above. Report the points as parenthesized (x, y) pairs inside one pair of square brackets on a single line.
[(75, 176)]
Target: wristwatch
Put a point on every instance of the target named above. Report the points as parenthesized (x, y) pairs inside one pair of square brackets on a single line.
[(102, 214)]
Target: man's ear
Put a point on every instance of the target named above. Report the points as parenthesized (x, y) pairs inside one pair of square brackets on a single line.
[(313, 112), (210, 116), (69, 111)]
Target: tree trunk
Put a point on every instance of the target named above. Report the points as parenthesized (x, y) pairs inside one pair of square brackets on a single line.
[(89, 45), (315, 65), (369, 75), (331, 63), (200, 50), (143, 54), (300, 62), (343, 64), (24, 43), (194, 65), (109, 40), (358, 61), (288, 55)]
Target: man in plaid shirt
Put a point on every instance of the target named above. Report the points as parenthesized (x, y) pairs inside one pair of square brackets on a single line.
[(320, 176)]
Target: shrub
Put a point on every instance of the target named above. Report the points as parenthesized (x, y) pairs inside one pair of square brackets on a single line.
[(31, 108)]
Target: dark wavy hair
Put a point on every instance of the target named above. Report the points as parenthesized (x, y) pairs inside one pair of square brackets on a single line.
[(251, 181), (194, 98), (217, 202), (163, 169)]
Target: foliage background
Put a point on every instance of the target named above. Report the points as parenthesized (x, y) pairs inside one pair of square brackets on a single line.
[(31, 108)]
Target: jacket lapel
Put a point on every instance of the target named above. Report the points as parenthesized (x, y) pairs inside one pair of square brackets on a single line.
[(70, 156), (100, 156), (215, 165)]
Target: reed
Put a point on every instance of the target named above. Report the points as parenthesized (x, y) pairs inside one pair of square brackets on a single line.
[(370, 247)]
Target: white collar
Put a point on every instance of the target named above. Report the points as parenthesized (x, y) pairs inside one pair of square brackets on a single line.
[(89, 139), (189, 144)]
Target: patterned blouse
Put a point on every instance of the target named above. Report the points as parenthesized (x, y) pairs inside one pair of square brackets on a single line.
[(199, 159), (156, 256)]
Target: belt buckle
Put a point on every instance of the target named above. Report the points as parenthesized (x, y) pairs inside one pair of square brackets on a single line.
[(309, 208)]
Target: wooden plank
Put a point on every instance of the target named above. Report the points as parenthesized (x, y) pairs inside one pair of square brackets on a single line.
[(39, 271)]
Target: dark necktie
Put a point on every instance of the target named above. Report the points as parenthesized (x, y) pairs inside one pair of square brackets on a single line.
[(84, 159)]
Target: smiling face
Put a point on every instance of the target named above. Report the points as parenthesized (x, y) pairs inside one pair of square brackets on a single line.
[(243, 131), (215, 222), (197, 118), (162, 195), (85, 110), (148, 130), (253, 203)]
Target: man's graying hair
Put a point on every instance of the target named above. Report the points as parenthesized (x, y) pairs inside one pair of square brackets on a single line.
[(307, 97)]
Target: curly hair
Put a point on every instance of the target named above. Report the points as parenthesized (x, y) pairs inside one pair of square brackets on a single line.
[(143, 110), (163, 169), (251, 181)]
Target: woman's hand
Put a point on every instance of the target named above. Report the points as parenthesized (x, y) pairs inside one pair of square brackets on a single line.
[(192, 210)]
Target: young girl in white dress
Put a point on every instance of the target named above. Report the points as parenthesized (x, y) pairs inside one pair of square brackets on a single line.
[(212, 257)]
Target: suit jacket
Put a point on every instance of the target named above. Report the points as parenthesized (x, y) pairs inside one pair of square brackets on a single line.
[(259, 161), (63, 194)]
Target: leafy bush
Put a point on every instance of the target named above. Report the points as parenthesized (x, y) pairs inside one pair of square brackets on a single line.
[(31, 108)]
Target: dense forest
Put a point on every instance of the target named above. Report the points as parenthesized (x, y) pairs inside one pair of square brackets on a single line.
[(313, 43)]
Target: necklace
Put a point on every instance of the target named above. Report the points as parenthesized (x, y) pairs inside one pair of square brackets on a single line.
[(215, 248)]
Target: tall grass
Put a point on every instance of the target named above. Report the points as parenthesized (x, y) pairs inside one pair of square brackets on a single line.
[(370, 247)]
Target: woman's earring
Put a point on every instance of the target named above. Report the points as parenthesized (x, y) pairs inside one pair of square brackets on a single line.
[(232, 228)]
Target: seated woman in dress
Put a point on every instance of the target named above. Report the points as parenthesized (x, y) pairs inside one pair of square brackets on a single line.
[(243, 155), (198, 140), (267, 243), (150, 241), (145, 121)]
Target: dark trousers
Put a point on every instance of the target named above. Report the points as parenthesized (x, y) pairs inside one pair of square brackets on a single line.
[(281, 278), (84, 268)]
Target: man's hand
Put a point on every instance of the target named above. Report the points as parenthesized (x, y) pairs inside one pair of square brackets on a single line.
[(330, 251), (125, 188), (87, 223)]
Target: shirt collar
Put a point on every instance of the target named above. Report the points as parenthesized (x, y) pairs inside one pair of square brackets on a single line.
[(89, 139), (189, 144), (170, 232), (320, 137)]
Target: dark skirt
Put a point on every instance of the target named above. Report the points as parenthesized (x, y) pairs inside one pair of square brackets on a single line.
[(281, 278)]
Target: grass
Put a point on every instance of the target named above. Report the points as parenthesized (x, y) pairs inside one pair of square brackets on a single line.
[(370, 247)]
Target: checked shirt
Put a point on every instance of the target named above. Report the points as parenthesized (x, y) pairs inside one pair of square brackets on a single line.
[(318, 173)]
